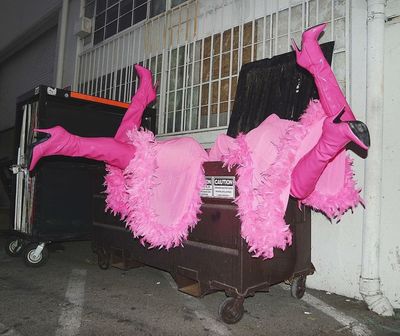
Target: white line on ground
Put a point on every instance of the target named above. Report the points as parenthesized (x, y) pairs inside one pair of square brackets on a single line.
[(200, 311), (356, 327), (5, 331), (70, 318)]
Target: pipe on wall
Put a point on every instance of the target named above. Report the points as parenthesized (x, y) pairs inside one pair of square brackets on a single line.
[(61, 45), (370, 286)]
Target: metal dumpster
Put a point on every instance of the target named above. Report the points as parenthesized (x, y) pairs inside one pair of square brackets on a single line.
[(215, 257)]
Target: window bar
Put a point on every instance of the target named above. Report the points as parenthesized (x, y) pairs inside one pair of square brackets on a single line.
[(96, 80), (106, 85), (317, 11), (210, 81), (201, 84), (92, 72), (276, 31), (89, 84), (162, 107), (113, 76), (133, 60), (289, 27), (128, 65), (253, 24), (85, 81), (332, 20), (219, 78), (264, 34), (192, 85), (139, 55), (230, 76), (80, 81), (121, 66), (175, 88), (271, 34), (184, 88), (168, 91), (102, 71)]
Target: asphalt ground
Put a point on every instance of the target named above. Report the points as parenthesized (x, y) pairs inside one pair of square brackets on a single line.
[(71, 295)]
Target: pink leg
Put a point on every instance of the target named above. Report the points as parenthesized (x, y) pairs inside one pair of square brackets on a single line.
[(61, 142), (312, 59), (145, 94)]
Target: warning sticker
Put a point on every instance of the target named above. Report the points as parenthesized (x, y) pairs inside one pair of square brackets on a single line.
[(219, 187), (207, 190)]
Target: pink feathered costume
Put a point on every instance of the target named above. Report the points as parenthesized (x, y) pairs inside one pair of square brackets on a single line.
[(158, 194)]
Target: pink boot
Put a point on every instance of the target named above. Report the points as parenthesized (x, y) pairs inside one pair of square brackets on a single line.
[(312, 59), (336, 134), (60, 142), (145, 94)]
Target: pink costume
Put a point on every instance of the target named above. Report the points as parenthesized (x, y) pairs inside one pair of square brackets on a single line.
[(155, 186), (266, 157)]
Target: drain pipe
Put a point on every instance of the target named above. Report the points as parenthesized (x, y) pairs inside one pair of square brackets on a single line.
[(370, 287), (61, 46)]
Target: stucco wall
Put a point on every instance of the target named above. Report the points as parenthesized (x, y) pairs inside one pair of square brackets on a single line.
[(336, 248)]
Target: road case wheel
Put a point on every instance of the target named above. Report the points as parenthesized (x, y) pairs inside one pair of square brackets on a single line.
[(298, 287), (231, 310), (103, 258), (14, 246), (36, 255)]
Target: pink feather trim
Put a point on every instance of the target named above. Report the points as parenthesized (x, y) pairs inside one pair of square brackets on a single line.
[(260, 207), (129, 193), (334, 206)]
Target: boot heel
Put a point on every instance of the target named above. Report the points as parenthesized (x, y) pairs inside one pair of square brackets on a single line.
[(360, 130)]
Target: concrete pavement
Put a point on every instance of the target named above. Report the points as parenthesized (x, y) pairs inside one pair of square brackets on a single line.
[(71, 295)]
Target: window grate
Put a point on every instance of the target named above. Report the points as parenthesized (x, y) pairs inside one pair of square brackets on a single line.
[(197, 67)]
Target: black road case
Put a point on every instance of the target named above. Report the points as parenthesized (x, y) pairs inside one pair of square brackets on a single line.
[(54, 203)]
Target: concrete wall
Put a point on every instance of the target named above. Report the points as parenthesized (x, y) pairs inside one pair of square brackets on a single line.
[(390, 229), (336, 248)]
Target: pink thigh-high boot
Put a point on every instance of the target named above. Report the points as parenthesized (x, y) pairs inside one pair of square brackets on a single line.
[(145, 94), (60, 142), (336, 134), (311, 58)]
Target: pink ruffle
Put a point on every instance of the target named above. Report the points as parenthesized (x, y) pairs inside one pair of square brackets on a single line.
[(260, 207), (334, 206), (129, 194)]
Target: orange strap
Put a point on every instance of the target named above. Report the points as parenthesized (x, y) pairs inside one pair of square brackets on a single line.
[(98, 99)]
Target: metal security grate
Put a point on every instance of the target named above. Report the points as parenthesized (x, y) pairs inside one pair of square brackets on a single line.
[(196, 52)]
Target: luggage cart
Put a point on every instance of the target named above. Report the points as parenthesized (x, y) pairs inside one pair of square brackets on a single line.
[(54, 203)]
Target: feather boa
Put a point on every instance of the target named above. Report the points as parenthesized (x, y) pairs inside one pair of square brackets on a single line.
[(260, 207), (129, 194)]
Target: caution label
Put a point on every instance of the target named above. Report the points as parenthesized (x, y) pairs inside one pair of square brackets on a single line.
[(219, 187)]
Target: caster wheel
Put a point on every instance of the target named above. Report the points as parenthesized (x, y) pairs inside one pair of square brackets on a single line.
[(14, 246), (103, 258), (32, 259), (298, 287), (231, 310)]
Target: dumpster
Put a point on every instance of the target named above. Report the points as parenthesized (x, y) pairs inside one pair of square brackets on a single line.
[(54, 203), (215, 257)]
